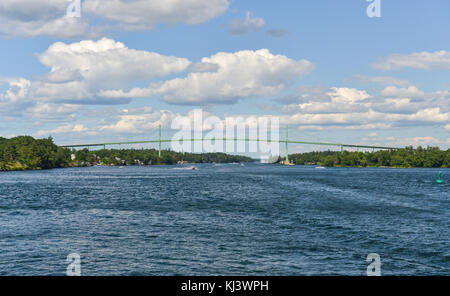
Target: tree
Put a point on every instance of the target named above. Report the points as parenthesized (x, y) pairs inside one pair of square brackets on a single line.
[(329, 161)]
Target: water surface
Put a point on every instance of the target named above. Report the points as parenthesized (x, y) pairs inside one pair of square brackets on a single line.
[(224, 220)]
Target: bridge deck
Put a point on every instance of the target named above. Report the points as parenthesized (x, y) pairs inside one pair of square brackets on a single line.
[(226, 140)]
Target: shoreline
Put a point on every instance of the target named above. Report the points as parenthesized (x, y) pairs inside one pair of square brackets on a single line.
[(159, 165)]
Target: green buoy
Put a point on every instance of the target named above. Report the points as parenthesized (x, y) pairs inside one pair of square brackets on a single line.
[(440, 180)]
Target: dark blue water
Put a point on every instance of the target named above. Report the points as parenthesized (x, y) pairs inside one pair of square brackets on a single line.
[(224, 220)]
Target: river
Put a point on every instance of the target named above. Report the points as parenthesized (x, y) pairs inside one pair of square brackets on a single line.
[(224, 219)]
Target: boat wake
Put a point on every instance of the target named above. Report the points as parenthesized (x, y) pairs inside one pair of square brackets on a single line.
[(191, 168)]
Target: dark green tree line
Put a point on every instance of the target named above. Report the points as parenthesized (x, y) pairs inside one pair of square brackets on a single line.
[(24, 152), (430, 157), (27, 153)]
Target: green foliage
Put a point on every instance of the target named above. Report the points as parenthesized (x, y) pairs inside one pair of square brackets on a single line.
[(430, 157), (150, 156), (27, 153)]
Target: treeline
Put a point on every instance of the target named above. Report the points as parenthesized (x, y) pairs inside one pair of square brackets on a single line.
[(150, 157), (27, 153), (430, 157)]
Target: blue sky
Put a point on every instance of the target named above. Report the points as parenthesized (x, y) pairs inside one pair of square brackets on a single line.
[(323, 67)]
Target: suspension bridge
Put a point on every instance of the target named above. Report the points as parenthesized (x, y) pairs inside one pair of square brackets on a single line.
[(284, 141)]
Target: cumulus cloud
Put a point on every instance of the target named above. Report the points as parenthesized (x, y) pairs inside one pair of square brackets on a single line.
[(145, 14), (347, 95), (52, 112), (18, 89), (81, 70), (245, 26), (337, 100), (421, 60), (347, 108), (63, 129), (410, 92), (103, 71), (95, 60), (138, 121), (15, 98), (432, 115), (29, 18), (240, 75), (335, 127), (145, 120)]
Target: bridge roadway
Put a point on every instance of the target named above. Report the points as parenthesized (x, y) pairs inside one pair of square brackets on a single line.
[(160, 141), (226, 140)]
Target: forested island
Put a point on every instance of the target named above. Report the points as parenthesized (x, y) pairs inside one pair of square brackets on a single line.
[(27, 153), (430, 157)]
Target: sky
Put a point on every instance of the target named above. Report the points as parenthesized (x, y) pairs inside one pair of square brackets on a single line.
[(324, 68)]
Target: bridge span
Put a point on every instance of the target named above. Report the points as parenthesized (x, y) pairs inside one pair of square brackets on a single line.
[(286, 141)]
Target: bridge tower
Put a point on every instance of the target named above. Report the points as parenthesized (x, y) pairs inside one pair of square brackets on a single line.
[(159, 142), (287, 139)]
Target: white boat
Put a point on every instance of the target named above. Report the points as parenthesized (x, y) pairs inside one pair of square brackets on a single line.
[(193, 168)]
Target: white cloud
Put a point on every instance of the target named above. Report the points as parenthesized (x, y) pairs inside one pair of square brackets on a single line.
[(102, 72), (410, 92), (432, 115), (145, 14), (63, 129), (81, 70), (447, 127), (345, 108), (396, 105), (144, 120), (14, 99), (421, 60), (323, 108), (333, 127), (18, 89), (52, 112), (244, 26), (335, 100), (30, 18), (140, 121), (96, 60), (240, 75), (347, 95)]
